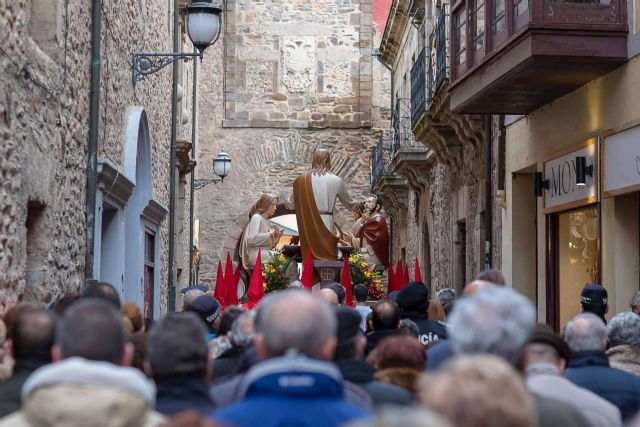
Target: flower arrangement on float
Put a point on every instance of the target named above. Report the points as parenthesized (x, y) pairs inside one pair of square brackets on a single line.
[(363, 273), (275, 275)]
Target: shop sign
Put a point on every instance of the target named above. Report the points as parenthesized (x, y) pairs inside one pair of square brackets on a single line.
[(560, 173), (621, 162)]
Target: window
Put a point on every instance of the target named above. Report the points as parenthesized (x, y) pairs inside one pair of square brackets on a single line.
[(37, 246), (149, 268), (499, 16), (461, 255), (520, 7), (477, 20), (461, 36)]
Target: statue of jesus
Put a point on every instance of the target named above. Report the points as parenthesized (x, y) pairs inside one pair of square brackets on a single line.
[(314, 198)]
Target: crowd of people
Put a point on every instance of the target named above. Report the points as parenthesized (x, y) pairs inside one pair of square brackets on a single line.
[(415, 359)]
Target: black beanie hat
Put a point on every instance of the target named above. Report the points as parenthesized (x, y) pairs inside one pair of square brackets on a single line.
[(413, 298)]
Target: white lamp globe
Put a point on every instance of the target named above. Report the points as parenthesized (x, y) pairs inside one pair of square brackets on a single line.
[(222, 164), (203, 23)]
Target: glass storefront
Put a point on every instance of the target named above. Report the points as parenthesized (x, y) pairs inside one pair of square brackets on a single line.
[(578, 250)]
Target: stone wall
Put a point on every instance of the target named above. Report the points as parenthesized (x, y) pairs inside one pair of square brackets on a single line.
[(44, 108), (298, 75)]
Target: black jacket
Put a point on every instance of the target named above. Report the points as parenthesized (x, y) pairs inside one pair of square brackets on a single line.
[(430, 330), (374, 338), (229, 362), (175, 395), (11, 388), (591, 370), (360, 373)]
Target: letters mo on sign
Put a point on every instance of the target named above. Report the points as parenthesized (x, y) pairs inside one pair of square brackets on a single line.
[(621, 161), (563, 192)]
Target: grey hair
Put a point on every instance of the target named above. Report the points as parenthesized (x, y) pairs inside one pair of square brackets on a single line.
[(191, 296), (410, 327), (447, 298), (403, 417), (635, 300), (585, 332), (296, 321), (495, 320), (623, 329), (242, 330)]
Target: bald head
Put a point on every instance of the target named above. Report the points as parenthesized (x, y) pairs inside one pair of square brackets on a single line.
[(296, 284), (586, 332), (296, 321), (329, 296), (475, 286)]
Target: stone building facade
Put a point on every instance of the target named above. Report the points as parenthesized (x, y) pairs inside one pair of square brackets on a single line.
[(45, 58), (286, 78), (430, 171)]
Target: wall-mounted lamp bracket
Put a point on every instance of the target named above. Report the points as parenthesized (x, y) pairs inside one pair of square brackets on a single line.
[(146, 63)]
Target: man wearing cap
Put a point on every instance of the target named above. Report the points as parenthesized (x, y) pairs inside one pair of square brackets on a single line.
[(594, 299), (544, 360), (348, 357), (208, 309), (413, 301)]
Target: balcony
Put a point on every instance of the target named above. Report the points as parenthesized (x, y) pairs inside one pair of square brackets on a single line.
[(379, 160), (391, 189), (408, 156), (514, 56)]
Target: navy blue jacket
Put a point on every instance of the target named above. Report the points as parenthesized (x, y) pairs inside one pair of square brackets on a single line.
[(178, 394), (591, 370), (291, 392), (438, 354)]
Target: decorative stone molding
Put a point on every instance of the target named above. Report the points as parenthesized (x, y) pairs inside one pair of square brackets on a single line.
[(298, 57), (392, 37), (414, 165), (185, 164), (155, 212), (393, 192), (112, 181)]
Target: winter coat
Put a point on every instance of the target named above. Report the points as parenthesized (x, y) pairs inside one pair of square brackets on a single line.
[(291, 391), (554, 413), (430, 330), (374, 338), (229, 390), (181, 393), (591, 370), (438, 354), (81, 393), (361, 373), (229, 362), (11, 388), (625, 357), (545, 379)]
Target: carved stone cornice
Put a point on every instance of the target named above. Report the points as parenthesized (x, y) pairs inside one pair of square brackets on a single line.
[(112, 181), (393, 30), (155, 212), (414, 165), (393, 193)]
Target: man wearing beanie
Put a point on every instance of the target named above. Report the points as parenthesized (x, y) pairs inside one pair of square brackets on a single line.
[(208, 309), (413, 301), (594, 299), (544, 360)]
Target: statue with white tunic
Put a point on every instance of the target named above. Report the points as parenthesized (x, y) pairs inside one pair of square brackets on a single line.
[(370, 234), (314, 199), (259, 235)]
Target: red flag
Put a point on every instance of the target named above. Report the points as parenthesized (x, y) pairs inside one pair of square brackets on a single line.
[(406, 275), (417, 274), (231, 295), (219, 293), (256, 291), (236, 274), (345, 280), (391, 277), (307, 270)]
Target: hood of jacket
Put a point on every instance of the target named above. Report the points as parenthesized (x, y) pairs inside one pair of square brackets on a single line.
[(581, 359), (293, 376), (625, 357), (81, 393)]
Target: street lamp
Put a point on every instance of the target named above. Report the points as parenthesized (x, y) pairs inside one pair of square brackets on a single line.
[(203, 27), (221, 167)]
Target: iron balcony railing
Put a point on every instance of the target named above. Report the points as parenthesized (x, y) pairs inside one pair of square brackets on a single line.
[(418, 88), (438, 62), (380, 159), (402, 135)]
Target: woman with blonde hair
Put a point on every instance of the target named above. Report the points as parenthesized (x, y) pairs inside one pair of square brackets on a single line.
[(258, 235)]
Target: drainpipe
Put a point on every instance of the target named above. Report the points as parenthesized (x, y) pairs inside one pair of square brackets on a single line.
[(173, 178), (488, 190), (193, 172), (92, 148)]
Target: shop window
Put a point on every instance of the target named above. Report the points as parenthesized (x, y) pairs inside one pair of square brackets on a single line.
[(149, 269), (461, 35), (578, 257)]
